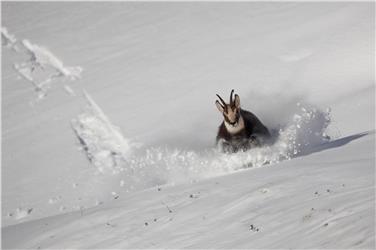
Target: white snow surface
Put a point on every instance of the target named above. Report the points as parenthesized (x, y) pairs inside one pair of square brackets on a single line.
[(103, 143), (7, 39), (42, 67), (124, 157)]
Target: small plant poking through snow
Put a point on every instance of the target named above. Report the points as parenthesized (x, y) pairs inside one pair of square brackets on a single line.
[(20, 213), (253, 228), (110, 152)]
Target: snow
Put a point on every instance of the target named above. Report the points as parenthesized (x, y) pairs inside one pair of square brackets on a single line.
[(43, 57), (295, 204), (102, 142), (69, 90), (21, 213), (8, 40), (42, 67), (125, 156)]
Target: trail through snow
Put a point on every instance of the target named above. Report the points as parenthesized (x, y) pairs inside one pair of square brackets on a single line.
[(139, 167), (41, 66)]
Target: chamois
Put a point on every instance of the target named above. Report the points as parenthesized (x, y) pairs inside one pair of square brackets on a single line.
[(240, 130)]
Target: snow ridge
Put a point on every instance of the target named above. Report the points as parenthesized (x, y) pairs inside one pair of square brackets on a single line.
[(8, 40), (41, 66), (102, 142)]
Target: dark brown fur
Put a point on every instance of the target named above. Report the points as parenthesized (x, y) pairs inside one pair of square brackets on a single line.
[(253, 134)]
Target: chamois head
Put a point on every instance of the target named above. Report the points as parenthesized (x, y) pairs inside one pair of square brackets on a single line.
[(231, 111)]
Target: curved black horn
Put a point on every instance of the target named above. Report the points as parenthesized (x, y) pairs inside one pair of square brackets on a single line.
[(224, 104), (232, 91)]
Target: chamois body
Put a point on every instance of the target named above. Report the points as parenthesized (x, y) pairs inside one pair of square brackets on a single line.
[(241, 129)]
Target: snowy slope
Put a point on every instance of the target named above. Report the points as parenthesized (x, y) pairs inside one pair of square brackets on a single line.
[(101, 101), (324, 200)]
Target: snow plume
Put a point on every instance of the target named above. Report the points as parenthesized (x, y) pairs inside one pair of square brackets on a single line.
[(306, 129), (303, 133), (102, 142), (146, 167)]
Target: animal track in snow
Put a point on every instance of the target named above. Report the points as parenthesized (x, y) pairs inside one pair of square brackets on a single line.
[(41, 67)]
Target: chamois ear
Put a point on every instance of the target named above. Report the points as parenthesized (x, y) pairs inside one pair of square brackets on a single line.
[(237, 101), (219, 106)]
